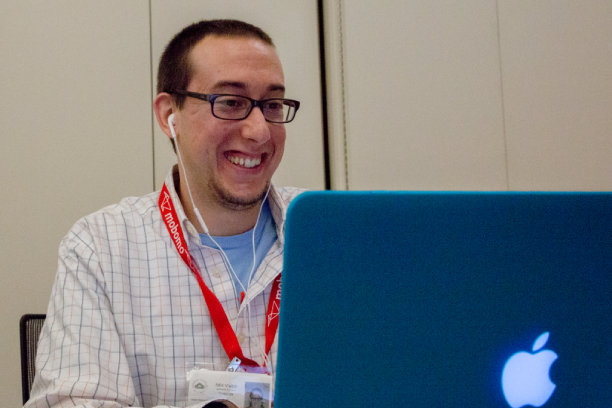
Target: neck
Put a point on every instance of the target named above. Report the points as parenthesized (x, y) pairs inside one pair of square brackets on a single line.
[(220, 220)]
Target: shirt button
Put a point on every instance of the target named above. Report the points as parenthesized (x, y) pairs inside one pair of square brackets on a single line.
[(215, 272), (241, 338)]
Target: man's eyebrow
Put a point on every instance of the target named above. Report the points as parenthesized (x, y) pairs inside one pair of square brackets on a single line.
[(229, 84), (274, 88), (243, 86)]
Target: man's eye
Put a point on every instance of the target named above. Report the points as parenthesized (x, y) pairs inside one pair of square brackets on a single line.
[(274, 105), (233, 103)]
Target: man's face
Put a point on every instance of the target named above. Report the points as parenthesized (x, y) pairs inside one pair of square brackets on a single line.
[(231, 162)]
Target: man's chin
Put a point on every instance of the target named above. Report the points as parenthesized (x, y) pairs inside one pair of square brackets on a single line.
[(239, 202)]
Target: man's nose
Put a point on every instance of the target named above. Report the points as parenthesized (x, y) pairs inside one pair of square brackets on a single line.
[(255, 127)]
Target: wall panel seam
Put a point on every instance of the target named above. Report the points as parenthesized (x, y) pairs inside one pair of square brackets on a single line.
[(502, 96), (343, 90), (151, 74)]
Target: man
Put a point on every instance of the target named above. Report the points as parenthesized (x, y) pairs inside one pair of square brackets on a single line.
[(189, 276)]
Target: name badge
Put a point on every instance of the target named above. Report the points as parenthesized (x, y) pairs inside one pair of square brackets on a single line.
[(243, 390)]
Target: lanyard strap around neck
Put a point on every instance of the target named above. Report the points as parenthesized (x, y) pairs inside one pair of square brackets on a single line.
[(226, 333)]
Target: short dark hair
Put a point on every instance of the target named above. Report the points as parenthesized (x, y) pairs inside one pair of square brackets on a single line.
[(174, 72)]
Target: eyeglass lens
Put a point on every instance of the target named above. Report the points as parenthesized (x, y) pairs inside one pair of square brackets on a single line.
[(237, 107)]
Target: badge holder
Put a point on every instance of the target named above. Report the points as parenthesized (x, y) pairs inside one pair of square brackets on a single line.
[(236, 387)]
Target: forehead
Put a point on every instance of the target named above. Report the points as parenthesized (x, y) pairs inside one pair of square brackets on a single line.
[(247, 62)]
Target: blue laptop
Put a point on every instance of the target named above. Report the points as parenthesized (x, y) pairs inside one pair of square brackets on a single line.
[(437, 299)]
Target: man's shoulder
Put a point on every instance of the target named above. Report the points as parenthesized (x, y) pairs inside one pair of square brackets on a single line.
[(129, 211), (287, 194), (281, 198), (130, 205)]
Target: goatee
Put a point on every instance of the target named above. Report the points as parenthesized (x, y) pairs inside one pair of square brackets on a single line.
[(236, 203)]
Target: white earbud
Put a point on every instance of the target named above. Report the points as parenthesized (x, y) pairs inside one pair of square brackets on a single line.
[(171, 124)]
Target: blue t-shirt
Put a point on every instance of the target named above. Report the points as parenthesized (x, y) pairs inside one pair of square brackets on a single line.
[(239, 248)]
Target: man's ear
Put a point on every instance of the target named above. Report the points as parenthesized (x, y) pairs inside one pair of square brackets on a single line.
[(163, 107)]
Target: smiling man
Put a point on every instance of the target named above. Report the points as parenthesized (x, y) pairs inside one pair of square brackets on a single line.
[(231, 161), (158, 295)]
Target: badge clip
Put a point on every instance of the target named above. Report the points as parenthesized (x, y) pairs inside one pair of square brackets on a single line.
[(234, 365)]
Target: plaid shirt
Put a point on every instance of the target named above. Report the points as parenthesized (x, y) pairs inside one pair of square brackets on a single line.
[(127, 319)]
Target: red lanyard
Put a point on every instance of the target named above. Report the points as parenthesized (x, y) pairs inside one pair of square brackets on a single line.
[(219, 318)]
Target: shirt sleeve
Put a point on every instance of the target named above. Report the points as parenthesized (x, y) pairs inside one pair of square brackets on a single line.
[(80, 359)]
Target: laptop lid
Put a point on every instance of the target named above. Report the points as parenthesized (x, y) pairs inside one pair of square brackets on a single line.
[(439, 299)]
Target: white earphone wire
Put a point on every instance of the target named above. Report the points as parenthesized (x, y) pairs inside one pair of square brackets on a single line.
[(224, 256)]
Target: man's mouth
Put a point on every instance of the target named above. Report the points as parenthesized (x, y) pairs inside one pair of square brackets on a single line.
[(246, 162)]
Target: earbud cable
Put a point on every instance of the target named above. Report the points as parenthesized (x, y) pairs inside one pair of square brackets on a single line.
[(223, 254)]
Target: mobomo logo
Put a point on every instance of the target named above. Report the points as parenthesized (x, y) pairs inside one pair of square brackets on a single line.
[(526, 376)]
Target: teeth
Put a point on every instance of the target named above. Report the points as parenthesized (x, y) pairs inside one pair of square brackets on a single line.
[(248, 163)]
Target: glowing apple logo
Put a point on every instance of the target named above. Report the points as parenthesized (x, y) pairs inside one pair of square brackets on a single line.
[(525, 378)]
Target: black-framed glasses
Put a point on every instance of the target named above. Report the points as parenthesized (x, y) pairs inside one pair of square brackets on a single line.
[(237, 107)]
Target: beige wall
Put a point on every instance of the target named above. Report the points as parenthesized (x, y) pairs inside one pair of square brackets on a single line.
[(473, 94)]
